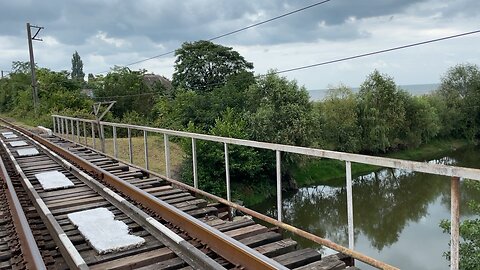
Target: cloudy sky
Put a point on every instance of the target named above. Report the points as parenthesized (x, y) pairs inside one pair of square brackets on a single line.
[(118, 32)]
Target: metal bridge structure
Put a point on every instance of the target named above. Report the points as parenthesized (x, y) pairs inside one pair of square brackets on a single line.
[(75, 129), (177, 226)]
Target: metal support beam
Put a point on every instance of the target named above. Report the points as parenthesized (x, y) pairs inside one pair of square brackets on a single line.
[(115, 150), (348, 171), (194, 160), (166, 143), (227, 171), (455, 224), (279, 185), (145, 148), (85, 133), (93, 135), (73, 131), (54, 125), (130, 147), (78, 131)]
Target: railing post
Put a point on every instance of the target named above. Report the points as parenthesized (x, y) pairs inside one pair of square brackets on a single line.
[(227, 171), (166, 143), (115, 150), (93, 135), (66, 129), (85, 133), (130, 149), (54, 125), (101, 135), (78, 131), (455, 223), (279, 184), (194, 160), (348, 168), (73, 130), (145, 145), (62, 128)]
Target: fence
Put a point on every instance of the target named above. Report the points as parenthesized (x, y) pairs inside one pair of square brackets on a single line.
[(69, 127)]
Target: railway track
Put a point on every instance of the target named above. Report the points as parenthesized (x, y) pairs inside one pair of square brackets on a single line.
[(178, 229)]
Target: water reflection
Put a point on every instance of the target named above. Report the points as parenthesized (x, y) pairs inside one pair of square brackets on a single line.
[(385, 204)]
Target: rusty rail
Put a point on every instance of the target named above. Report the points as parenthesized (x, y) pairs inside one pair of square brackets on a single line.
[(227, 247), (30, 251)]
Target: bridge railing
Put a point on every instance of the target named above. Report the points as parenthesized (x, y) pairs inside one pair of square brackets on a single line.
[(76, 130)]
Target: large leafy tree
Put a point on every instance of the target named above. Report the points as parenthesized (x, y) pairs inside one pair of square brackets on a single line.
[(77, 67), (381, 112), (202, 65), (460, 93)]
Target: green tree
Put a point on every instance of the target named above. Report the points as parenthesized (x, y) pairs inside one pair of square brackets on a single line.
[(128, 88), (339, 114), (202, 65), (470, 234), (460, 92), (381, 112), (77, 67)]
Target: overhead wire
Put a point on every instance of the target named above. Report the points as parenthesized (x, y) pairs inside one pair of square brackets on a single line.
[(234, 31), (363, 55), (377, 52)]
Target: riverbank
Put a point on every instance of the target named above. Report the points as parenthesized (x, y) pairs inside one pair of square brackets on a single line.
[(329, 172)]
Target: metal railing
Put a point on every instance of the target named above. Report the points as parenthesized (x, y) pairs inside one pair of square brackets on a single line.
[(61, 123)]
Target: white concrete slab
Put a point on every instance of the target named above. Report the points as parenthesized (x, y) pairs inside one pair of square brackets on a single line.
[(31, 151), (7, 133), (53, 180), (18, 143), (10, 136), (103, 232)]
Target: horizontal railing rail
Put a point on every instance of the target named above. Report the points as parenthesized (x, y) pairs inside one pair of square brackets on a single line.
[(69, 127)]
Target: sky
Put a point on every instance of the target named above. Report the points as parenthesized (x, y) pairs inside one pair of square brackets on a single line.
[(117, 32)]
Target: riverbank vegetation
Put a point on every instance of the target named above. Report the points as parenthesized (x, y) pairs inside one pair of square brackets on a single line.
[(215, 91)]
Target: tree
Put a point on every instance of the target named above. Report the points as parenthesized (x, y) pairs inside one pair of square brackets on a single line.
[(460, 92), (339, 113), (381, 112), (77, 67), (202, 65)]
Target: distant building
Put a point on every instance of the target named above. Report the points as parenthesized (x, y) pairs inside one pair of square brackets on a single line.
[(151, 79)]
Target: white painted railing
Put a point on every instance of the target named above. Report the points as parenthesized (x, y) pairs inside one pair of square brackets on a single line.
[(61, 127)]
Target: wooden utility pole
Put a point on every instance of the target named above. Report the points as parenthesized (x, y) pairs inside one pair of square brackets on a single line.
[(32, 62)]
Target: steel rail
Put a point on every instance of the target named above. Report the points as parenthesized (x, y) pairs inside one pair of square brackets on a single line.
[(30, 251), (67, 249), (178, 245), (438, 169), (319, 240), (227, 247)]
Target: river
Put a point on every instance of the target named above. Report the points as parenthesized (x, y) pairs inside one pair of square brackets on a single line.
[(396, 213)]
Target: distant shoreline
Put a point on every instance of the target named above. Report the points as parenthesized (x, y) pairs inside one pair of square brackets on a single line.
[(414, 89)]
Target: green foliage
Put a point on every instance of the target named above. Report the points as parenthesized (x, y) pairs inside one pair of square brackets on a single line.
[(128, 88), (246, 165), (459, 94), (57, 94), (77, 67), (202, 65), (338, 113), (470, 234), (279, 111), (381, 112)]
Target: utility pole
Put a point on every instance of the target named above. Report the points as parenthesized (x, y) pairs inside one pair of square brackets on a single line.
[(32, 62)]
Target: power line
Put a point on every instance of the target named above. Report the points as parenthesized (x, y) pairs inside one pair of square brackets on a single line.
[(357, 56), (236, 31), (376, 52)]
